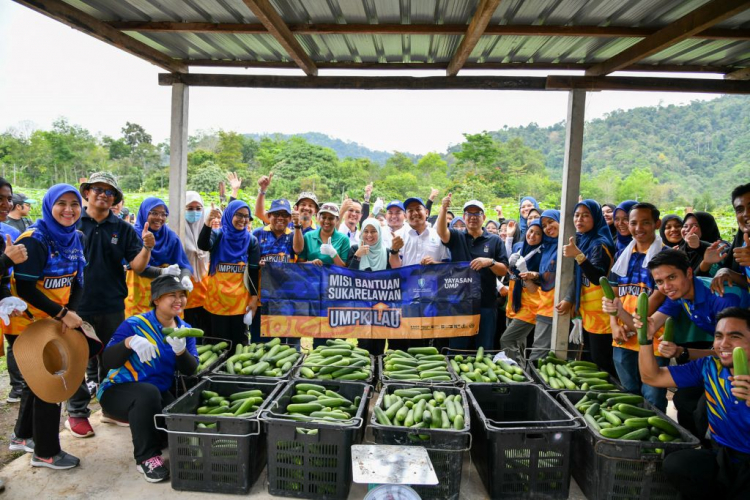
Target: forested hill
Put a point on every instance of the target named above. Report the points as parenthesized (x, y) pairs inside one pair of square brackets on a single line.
[(705, 140)]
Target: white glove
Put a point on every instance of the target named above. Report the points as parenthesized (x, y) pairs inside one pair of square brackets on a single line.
[(145, 350), (178, 344), (8, 306), (521, 265), (377, 207), (513, 259), (327, 249), (173, 270), (187, 283), (248, 318), (576, 334)]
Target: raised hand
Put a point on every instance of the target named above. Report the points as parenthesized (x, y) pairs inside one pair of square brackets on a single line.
[(433, 193), (499, 211), (716, 252), (362, 251), (234, 182), (368, 191), (148, 237), (447, 201), (213, 215), (265, 181), (742, 254), (510, 229), (571, 250), (397, 242), (692, 239), (16, 253), (295, 217)]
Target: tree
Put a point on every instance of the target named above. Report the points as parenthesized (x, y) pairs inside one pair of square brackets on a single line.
[(135, 135), (207, 179)]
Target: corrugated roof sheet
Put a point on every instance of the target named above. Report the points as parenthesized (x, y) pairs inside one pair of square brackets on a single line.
[(394, 48)]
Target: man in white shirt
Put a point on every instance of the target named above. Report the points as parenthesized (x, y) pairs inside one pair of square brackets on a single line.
[(422, 244), (395, 215)]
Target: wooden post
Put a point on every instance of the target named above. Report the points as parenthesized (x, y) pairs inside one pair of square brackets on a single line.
[(178, 151), (571, 188)]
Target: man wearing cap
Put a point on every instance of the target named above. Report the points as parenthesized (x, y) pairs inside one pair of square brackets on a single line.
[(395, 215), (18, 217), (487, 255), (109, 242), (276, 245), (306, 205)]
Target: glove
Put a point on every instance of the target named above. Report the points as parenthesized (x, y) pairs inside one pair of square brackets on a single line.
[(521, 265), (248, 318), (8, 306), (327, 249), (513, 259), (145, 350), (178, 344), (576, 334), (377, 207), (173, 270), (187, 283)]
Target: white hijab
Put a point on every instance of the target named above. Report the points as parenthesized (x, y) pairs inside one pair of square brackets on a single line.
[(198, 258)]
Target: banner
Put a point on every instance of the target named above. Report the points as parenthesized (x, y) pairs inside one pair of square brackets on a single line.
[(413, 302)]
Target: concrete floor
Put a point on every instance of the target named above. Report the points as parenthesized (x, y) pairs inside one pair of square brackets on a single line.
[(107, 471)]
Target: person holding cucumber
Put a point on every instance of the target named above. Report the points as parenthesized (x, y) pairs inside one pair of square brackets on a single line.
[(723, 471), (142, 358)]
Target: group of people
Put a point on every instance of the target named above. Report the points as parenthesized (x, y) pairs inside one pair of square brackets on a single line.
[(130, 281)]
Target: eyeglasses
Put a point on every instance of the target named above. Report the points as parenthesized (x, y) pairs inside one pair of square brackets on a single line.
[(473, 214), (242, 216), (159, 215), (281, 215), (100, 190)]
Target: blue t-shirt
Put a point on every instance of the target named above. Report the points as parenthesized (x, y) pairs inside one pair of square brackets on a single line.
[(728, 417), (158, 371), (705, 305)]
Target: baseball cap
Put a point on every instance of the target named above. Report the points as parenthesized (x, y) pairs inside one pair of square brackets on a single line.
[(104, 178), (395, 204), (330, 208), (20, 199), (409, 201), (280, 205), (474, 203), (307, 195), (165, 284)]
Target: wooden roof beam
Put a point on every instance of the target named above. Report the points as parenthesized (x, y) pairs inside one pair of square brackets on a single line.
[(416, 29), (478, 24), (740, 74), (76, 19), (267, 15), (647, 84), (692, 23)]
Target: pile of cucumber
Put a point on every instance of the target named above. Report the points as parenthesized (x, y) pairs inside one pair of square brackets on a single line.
[(417, 364), (421, 408), (573, 375), (618, 416), (481, 368), (240, 404), (315, 403), (337, 360), (208, 354), (271, 359)]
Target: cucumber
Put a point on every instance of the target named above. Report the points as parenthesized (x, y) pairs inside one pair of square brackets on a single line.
[(183, 332), (664, 425), (305, 387), (209, 394), (643, 313), (636, 435), (668, 335), (607, 289), (637, 422), (304, 408), (337, 415), (458, 423), (303, 398), (636, 411), (422, 350), (329, 353), (220, 346), (739, 362), (381, 416), (616, 432)]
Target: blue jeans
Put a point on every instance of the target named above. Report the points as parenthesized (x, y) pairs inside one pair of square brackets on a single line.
[(626, 364), (486, 335)]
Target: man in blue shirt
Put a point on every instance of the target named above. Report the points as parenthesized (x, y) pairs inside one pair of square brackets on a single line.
[(723, 471)]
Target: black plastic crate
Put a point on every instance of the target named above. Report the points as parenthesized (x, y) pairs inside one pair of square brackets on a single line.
[(537, 378), (227, 459), (522, 441), (313, 465), (614, 469), (185, 382), (454, 381), (219, 371), (297, 376), (445, 447), (452, 353)]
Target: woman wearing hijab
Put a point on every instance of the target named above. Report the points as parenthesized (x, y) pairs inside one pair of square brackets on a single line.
[(622, 224), (593, 251), (608, 211), (371, 255), (527, 204), (458, 224), (699, 232), (55, 252), (195, 219), (232, 249), (522, 301), (544, 284), (492, 227), (671, 230), (167, 256)]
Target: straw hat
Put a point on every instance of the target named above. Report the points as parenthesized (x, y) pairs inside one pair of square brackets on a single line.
[(63, 357)]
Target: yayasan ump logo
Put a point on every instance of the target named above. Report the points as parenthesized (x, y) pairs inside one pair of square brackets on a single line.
[(379, 315), (450, 283)]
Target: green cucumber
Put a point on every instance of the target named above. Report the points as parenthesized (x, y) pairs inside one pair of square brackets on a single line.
[(636, 411), (381, 416), (739, 363), (636, 435), (664, 425), (668, 335), (643, 313), (608, 292)]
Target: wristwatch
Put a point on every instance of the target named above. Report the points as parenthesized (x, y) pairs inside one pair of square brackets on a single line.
[(493, 263), (580, 258), (394, 252), (684, 357)]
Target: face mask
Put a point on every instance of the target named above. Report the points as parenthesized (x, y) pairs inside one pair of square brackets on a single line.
[(193, 216)]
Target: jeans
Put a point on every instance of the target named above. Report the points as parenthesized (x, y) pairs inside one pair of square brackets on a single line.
[(626, 364), (542, 338), (485, 337), (513, 341)]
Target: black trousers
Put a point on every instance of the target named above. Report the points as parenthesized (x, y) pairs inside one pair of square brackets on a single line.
[(39, 420), (700, 474), (600, 349), (105, 326), (229, 328), (14, 373), (137, 403), (197, 317)]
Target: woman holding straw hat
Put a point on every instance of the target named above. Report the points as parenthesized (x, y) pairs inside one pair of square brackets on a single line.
[(50, 282)]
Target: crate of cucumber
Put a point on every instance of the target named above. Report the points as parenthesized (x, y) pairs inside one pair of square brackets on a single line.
[(270, 361)]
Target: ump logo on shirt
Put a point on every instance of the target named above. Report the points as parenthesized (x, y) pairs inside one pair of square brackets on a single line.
[(58, 282)]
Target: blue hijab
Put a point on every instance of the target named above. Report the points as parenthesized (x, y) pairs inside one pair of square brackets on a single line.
[(599, 235), (168, 247), (453, 223), (66, 241), (232, 245), (548, 264), (623, 241), (532, 263), (524, 224)]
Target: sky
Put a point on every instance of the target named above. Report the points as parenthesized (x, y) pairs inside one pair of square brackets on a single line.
[(48, 70)]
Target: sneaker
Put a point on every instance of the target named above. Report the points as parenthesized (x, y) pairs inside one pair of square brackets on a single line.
[(154, 469), (59, 462), (18, 444), (106, 419), (13, 398), (79, 427)]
